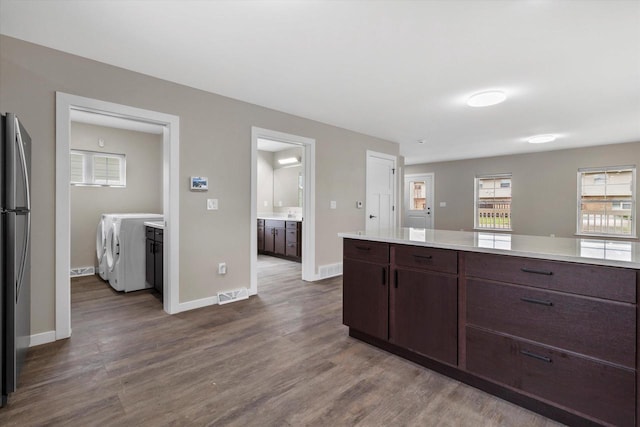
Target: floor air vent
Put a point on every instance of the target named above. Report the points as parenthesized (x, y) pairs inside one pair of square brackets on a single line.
[(82, 271), (231, 296)]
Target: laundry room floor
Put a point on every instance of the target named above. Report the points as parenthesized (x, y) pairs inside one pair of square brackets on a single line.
[(282, 358)]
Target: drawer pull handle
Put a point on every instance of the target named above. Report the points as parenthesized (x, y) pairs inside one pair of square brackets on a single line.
[(536, 356), (536, 301), (423, 256), (531, 270), (363, 248)]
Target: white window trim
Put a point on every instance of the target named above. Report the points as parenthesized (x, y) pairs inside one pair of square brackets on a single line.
[(475, 201), (634, 206), (89, 179)]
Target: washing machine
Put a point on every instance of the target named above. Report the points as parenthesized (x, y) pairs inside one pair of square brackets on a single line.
[(125, 253), (102, 231)]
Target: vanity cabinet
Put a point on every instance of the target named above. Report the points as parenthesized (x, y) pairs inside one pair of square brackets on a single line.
[(154, 257), (280, 238), (557, 337)]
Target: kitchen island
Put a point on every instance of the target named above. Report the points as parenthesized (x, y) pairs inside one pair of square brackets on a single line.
[(547, 323)]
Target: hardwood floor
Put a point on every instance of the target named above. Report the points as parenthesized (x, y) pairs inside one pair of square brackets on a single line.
[(282, 358)]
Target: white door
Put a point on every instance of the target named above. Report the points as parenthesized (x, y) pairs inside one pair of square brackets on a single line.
[(380, 212), (418, 201)]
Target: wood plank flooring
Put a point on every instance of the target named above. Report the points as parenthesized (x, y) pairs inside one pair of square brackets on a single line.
[(282, 358)]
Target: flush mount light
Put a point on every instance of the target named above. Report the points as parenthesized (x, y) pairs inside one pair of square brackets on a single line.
[(487, 98), (422, 141), (541, 139), (289, 160)]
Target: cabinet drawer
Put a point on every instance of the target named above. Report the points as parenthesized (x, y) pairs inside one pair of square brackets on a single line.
[(595, 389), (261, 223), (159, 235), (442, 260), (273, 223), (149, 232), (291, 249), (292, 225), (292, 235), (366, 250), (599, 328), (613, 283)]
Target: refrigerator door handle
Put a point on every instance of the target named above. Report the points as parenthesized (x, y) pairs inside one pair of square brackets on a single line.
[(25, 250), (23, 160)]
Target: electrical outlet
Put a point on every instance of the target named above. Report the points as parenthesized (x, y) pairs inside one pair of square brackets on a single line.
[(222, 268), (332, 205), (212, 204)]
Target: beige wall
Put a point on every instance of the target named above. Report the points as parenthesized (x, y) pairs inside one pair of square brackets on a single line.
[(143, 192), (544, 186), (215, 141)]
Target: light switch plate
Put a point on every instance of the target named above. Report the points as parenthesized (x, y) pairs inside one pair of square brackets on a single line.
[(333, 204), (443, 204), (212, 204)]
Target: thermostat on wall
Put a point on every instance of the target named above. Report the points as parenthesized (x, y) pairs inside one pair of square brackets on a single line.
[(199, 183)]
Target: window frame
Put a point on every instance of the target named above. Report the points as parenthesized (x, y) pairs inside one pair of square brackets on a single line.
[(633, 201), (88, 166), (476, 188)]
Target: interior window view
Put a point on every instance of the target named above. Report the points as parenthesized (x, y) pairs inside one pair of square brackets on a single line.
[(319, 213)]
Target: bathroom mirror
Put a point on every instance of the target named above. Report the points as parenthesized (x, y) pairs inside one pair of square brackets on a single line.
[(286, 186)]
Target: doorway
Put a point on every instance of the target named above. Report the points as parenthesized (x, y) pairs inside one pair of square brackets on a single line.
[(65, 103), (381, 194), (418, 201), (302, 194)]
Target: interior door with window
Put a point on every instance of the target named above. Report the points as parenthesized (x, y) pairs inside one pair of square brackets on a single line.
[(418, 201)]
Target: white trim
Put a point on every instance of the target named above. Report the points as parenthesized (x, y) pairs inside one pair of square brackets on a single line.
[(394, 211), (433, 195), (171, 185), (42, 338), (197, 303), (308, 210)]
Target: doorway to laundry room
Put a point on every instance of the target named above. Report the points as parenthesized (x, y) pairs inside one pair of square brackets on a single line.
[(116, 200)]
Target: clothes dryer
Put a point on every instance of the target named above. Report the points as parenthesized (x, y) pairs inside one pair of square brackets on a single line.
[(125, 254), (102, 231)]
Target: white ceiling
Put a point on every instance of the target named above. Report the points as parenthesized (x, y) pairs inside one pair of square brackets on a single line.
[(398, 70), (114, 122)]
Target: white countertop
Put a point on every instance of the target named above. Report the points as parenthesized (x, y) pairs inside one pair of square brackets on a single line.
[(156, 224), (613, 253), (280, 218)]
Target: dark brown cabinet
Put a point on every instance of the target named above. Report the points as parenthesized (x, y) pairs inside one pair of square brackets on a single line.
[(154, 257), (280, 238), (260, 236), (557, 337)]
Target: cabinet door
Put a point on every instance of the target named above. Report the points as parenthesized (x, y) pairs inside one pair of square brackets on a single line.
[(365, 295), (158, 267), (260, 239), (279, 241), (149, 262), (424, 313), (269, 238)]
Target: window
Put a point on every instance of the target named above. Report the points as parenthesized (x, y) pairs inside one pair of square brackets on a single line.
[(493, 202), (606, 201), (100, 169)]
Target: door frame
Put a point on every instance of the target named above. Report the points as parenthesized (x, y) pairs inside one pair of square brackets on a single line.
[(433, 195), (394, 197), (170, 200), (308, 208)]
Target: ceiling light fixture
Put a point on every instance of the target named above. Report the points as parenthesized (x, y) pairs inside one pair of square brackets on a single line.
[(422, 141), (487, 98), (289, 160), (541, 139)]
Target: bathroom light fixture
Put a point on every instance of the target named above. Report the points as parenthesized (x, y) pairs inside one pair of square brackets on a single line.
[(289, 160), (541, 139), (486, 98)]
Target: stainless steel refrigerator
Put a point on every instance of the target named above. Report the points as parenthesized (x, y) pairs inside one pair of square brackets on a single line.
[(15, 231)]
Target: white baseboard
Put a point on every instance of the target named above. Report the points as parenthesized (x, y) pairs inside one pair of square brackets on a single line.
[(42, 338), (329, 270), (198, 303)]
